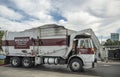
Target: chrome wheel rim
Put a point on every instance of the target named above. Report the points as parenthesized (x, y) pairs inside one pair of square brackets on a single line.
[(14, 62), (26, 62), (75, 65)]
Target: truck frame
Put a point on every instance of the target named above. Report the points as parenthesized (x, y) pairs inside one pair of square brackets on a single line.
[(51, 44)]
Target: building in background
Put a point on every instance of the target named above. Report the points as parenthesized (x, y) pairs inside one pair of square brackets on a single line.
[(115, 36)]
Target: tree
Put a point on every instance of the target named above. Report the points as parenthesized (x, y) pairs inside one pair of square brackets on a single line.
[(1, 34), (110, 42)]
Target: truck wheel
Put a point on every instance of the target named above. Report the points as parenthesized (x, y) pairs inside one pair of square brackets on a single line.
[(15, 61), (76, 65), (27, 62)]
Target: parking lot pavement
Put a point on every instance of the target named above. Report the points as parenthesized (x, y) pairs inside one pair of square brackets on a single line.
[(110, 69)]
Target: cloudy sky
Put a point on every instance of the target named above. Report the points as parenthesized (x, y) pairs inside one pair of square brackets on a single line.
[(103, 16)]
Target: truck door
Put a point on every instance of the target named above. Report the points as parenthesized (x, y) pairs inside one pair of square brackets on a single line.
[(74, 46), (85, 46)]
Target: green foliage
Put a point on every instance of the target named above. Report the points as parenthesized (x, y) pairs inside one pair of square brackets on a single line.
[(1, 34), (110, 42)]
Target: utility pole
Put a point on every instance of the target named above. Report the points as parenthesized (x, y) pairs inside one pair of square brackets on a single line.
[(101, 39)]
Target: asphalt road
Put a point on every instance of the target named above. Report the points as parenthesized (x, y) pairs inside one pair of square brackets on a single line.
[(110, 69)]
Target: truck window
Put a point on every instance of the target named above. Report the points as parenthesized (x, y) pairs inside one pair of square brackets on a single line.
[(82, 44), (85, 43)]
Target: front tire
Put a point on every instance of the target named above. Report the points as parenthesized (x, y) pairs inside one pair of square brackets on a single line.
[(27, 62), (76, 65), (15, 61)]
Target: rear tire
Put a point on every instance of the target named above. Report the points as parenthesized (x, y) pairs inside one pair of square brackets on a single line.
[(76, 65), (27, 62), (15, 61)]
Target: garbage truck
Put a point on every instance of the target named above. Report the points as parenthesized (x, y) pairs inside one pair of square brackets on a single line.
[(51, 44)]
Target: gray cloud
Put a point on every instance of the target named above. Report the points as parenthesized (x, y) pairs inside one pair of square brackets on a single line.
[(103, 16)]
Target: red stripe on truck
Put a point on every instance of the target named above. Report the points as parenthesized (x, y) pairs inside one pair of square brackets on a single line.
[(53, 42), (36, 42), (86, 50)]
